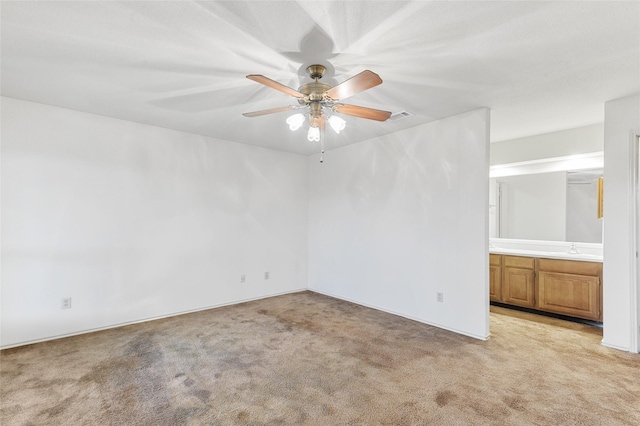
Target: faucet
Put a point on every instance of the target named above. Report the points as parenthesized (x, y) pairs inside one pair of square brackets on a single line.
[(573, 249)]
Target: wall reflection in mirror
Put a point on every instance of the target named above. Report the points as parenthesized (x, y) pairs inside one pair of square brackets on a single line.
[(551, 206)]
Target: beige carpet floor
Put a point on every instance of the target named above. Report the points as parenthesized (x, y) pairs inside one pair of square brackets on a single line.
[(308, 359)]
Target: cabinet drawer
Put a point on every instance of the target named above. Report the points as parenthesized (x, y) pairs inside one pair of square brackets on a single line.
[(495, 259), (570, 267), (569, 294), (519, 262)]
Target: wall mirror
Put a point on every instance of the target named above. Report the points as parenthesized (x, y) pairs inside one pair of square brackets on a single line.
[(550, 200)]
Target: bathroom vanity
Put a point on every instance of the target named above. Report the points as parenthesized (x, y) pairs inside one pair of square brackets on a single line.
[(561, 278)]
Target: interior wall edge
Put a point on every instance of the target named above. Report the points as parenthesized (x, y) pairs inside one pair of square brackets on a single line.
[(621, 117), (614, 346)]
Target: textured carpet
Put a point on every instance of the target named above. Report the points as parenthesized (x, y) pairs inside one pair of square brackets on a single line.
[(305, 358)]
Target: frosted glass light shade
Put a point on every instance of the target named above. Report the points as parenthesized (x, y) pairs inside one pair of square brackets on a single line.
[(314, 134), (337, 123), (295, 121)]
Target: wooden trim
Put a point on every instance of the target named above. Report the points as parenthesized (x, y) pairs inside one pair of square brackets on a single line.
[(600, 211)]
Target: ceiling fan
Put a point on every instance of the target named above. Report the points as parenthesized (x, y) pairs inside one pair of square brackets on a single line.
[(322, 99)]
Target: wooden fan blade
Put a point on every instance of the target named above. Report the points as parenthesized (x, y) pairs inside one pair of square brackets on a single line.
[(275, 85), (268, 111), (362, 112), (356, 84)]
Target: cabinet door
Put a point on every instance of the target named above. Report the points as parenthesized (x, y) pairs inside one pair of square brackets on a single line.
[(518, 287), (495, 283), (570, 294)]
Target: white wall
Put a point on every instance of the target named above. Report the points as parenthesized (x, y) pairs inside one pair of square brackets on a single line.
[(397, 219), (135, 222), (533, 206), (549, 145), (622, 117)]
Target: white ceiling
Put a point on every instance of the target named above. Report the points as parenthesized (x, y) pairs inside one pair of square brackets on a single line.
[(539, 66)]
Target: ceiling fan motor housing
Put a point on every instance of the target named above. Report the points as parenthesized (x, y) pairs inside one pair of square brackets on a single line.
[(316, 71), (316, 109), (314, 91)]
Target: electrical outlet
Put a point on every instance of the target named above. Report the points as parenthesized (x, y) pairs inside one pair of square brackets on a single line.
[(66, 303), (243, 278), (266, 275), (440, 297)]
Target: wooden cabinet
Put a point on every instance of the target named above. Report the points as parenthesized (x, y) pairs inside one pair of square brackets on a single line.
[(518, 281), (495, 277), (570, 288), (566, 287)]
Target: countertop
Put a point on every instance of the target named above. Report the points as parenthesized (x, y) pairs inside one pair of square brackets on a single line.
[(547, 254)]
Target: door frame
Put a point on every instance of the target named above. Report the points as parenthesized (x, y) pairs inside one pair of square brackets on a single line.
[(634, 222)]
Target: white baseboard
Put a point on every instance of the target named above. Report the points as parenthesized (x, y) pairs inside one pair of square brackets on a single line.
[(138, 321), (618, 347), (453, 330)]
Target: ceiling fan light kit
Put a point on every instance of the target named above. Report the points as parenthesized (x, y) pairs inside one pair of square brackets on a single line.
[(320, 98), (336, 123), (295, 121)]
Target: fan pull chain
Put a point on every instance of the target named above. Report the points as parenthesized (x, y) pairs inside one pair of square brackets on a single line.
[(321, 150)]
